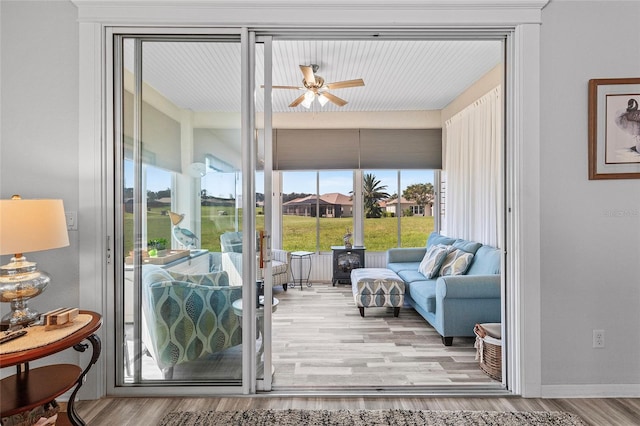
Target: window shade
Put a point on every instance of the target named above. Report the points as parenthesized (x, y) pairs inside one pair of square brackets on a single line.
[(160, 136), (319, 149), (401, 149), (315, 149)]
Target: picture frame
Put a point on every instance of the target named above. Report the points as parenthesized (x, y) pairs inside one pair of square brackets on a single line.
[(614, 128)]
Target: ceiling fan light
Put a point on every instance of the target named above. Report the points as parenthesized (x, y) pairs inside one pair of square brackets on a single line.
[(307, 102), (322, 99), (309, 96)]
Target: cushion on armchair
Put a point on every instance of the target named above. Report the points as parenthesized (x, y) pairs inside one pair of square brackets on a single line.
[(217, 278)]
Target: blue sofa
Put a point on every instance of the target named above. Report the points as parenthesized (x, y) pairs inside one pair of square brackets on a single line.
[(452, 304)]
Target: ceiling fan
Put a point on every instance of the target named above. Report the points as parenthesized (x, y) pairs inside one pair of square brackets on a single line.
[(314, 86)]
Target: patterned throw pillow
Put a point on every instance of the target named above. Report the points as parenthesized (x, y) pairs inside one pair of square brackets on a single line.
[(456, 263), (432, 260)]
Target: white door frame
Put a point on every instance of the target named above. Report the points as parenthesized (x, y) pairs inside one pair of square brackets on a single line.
[(521, 18)]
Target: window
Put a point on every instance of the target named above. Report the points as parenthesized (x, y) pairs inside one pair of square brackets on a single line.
[(393, 221), (318, 219), (317, 209), (157, 185)]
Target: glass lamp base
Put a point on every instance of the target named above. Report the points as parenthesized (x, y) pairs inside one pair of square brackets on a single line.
[(19, 317), (21, 281)]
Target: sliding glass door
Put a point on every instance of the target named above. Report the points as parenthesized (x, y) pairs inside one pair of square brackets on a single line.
[(184, 183)]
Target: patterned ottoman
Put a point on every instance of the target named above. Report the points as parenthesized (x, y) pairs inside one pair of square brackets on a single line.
[(377, 287)]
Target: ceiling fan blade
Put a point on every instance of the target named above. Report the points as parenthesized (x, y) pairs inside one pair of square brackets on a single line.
[(333, 98), (284, 87), (347, 83), (297, 102), (309, 77)]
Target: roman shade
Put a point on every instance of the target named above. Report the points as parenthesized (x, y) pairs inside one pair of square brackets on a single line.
[(321, 149), (160, 136)]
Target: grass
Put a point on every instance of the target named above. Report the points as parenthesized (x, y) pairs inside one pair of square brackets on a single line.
[(299, 232)]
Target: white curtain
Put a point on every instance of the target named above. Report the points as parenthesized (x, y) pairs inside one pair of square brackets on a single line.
[(473, 167)]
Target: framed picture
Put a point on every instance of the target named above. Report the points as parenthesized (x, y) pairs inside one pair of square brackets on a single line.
[(614, 128)]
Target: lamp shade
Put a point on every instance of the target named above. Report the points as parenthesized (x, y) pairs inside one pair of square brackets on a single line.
[(32, 225)]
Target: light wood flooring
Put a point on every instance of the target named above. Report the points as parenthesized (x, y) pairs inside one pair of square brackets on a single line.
[(320, 341), (327, 357), (149, 411)]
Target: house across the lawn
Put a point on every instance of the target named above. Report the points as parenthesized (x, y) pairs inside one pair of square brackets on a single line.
[(332, 204), (391, 206)]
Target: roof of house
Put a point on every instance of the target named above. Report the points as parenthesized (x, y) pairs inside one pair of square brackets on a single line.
[(329, 198), (403, 201)]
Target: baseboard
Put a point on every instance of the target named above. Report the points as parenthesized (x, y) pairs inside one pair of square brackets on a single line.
[(590, 391)]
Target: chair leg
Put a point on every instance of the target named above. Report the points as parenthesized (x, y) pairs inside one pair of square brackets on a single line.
[(167, 373), (447, 341), (284, 286), (361, 308), (396, 312)]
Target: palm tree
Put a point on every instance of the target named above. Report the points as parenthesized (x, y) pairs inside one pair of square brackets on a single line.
[(373, 193)]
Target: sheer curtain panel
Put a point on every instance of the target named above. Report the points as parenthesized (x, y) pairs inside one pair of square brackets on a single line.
[(473, 166)]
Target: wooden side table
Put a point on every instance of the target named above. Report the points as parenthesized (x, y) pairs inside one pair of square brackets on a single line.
[(28, 389)]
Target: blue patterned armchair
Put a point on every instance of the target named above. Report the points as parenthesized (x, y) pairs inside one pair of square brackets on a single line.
[(187, 316)]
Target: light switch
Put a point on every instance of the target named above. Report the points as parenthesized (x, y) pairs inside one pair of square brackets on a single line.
[(72, 220)]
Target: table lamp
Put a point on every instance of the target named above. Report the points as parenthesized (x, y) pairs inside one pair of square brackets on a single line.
[(27, 226)]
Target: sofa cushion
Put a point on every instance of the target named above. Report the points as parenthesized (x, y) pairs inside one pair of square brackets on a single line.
[(485, 262), (435, 239), (409, 276), (424, 293), (456, 263), (466, 245), (432, 260), (403, 266)]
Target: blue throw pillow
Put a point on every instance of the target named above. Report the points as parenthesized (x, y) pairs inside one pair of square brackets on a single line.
[(456, 263), (432, 260)]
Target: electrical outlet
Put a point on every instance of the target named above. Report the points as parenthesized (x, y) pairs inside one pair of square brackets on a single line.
[(72, 220), (598, 338)]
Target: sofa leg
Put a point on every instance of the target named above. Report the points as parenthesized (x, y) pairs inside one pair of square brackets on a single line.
[(396, 312), (284, 286), (361, 308), (447, 341)]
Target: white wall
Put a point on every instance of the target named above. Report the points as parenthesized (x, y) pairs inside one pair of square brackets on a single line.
[(590, 274), (590, 259), (39, 134)]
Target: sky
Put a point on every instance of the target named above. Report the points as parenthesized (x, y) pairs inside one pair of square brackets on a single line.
[(222, 185)]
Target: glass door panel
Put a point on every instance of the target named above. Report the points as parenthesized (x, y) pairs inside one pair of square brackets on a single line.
[(264, 215), (180, 162)]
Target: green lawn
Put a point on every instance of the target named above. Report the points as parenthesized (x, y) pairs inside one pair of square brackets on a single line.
[(299, 233)]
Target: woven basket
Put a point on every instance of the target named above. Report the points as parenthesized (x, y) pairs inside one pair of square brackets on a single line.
[(31, 417), (489, 354)]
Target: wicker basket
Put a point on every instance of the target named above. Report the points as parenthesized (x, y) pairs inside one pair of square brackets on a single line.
[(48, 411), (489, 354)]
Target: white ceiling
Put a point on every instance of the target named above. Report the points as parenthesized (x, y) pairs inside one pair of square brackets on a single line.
[(398, 75)]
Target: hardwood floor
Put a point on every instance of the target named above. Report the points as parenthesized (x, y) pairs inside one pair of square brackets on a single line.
[(328, 357), (149, 411), (321, 341)]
